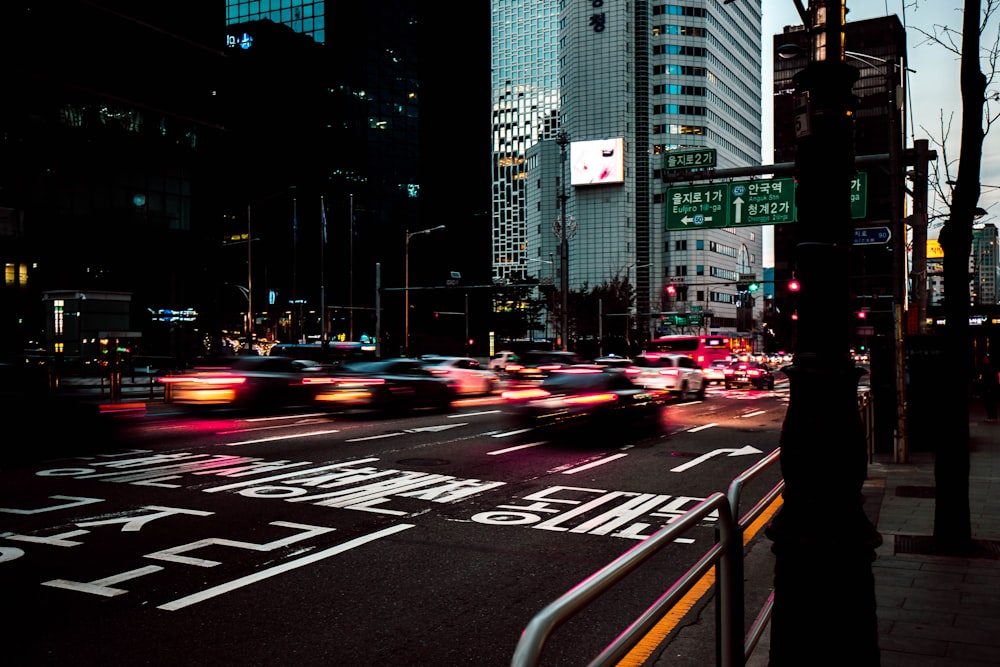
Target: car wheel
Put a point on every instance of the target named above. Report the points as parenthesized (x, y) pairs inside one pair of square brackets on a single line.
[(729, 385), (701, 392), (684, 393)]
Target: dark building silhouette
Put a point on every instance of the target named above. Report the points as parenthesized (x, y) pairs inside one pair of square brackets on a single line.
[(877, 47), (140, 139)]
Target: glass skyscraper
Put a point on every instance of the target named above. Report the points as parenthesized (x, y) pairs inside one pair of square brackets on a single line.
[(643, 78)]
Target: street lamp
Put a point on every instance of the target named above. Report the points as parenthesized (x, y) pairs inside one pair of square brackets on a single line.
[(823, 486), (406, 291), (563, 140)]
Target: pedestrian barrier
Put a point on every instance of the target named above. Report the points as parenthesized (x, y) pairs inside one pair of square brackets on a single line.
[(726, 556)]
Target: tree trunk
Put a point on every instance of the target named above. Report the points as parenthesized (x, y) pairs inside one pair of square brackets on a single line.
[(952, 523)]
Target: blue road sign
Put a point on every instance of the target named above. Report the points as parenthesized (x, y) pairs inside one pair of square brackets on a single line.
[(871, 235)]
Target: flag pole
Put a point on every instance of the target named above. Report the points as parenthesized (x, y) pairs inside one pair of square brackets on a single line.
[(322, 278), (295, 267), (350, 275)]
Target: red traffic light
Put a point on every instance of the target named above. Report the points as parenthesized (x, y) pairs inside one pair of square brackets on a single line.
[(793, 285), (671, 290)]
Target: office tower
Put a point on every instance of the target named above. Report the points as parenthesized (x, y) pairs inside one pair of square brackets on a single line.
[(985, 266), (624, 84), (389, 160)]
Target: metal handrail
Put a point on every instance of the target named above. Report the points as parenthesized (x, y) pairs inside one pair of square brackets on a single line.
[(726, 555), (532, 640), (733, 594)]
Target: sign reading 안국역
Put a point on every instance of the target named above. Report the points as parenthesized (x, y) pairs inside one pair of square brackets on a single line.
[(741, 203), (767, 201)]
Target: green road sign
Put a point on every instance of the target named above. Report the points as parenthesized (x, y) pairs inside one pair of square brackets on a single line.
[(768, 201), (736, 204), (694, 159), (859, 195)]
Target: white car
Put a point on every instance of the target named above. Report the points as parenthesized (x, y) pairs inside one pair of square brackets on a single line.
[(467, 374), (677, 374), (499, 360), (715, 371)]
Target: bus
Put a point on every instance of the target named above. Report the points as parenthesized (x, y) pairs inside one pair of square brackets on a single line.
[(703, 349)]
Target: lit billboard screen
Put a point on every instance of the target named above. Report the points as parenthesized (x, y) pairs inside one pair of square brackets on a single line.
[(597, 162)]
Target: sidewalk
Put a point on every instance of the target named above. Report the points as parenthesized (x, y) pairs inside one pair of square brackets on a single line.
[(933, 611)]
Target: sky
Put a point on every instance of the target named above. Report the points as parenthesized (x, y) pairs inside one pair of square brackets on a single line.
[(933, 89)]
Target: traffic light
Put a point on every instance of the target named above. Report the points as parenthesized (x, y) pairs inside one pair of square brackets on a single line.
[(671, 290), (793, 285), (753, 287)]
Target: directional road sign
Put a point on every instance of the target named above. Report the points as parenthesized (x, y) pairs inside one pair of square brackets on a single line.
[(693, 159), (768, 201), (736, 204), (871, 235)]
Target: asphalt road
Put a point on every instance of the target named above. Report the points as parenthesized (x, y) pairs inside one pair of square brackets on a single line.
[(308, 539)]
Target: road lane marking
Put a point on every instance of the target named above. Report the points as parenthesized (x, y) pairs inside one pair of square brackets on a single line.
[(753, 414), (282, 437), (514, 449), (228, 587), (593, 464), (701, 428)]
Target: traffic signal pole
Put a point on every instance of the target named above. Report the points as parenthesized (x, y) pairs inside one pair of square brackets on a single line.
[(823, 542)]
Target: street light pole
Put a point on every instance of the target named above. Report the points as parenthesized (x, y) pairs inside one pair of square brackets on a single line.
[(406, 291), (563, 140), (249, 347), (824, 543)]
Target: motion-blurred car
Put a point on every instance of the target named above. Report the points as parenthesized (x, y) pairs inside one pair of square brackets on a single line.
[(752, 374), (676, 374), (533, 366), (613, 361), (244, 382), (469, 376), (715, 371), (599, 400), (499, 360), (387, 385)]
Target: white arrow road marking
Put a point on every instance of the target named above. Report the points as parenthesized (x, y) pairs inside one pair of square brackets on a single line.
[(742, 451)]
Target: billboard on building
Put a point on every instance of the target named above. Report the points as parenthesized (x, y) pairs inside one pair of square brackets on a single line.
[(597, 162)]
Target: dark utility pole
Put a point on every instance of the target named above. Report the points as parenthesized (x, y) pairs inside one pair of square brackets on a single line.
[(824, 544)]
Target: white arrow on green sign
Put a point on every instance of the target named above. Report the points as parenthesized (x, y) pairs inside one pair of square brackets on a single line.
[(736, 204), (766, 201)]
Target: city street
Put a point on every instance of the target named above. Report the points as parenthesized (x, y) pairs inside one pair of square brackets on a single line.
[(427, 539)]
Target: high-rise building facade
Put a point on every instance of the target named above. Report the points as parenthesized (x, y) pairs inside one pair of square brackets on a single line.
[(587, 125), (386, 161), (986, 266)]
